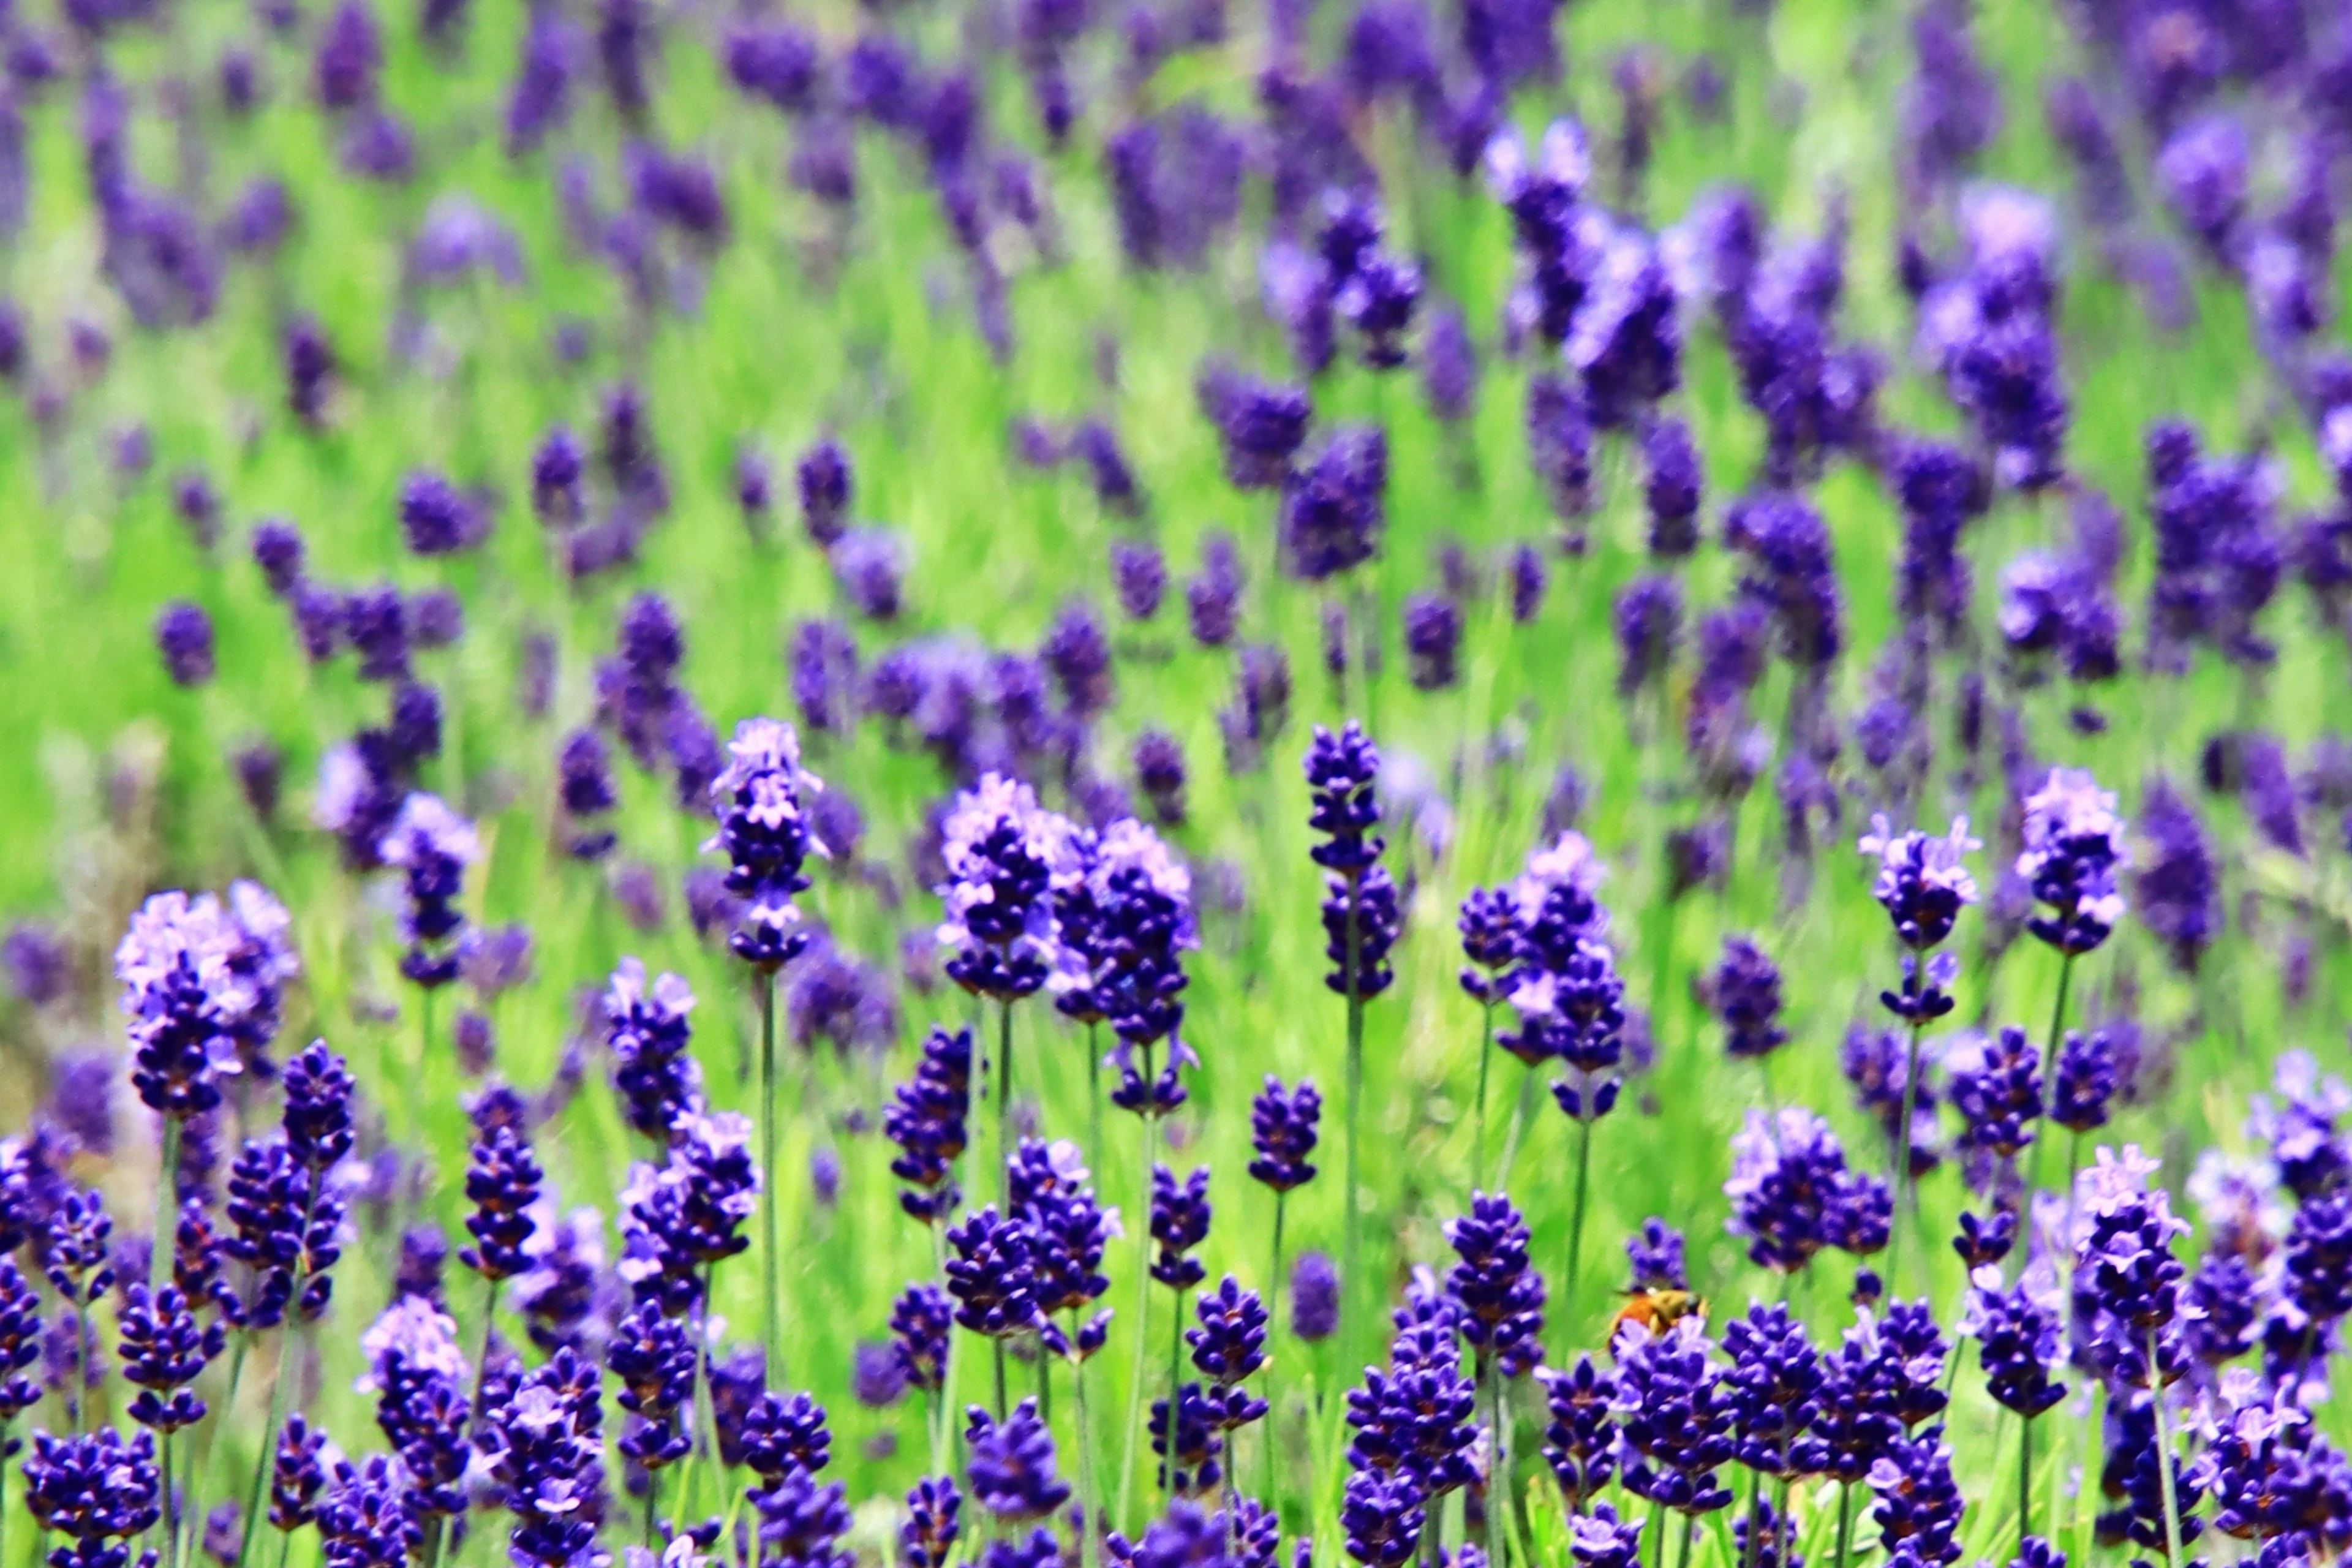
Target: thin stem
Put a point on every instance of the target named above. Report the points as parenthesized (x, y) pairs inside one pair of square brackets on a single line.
[(2024, 1477), (2050, 1064), (1755, 1526), (997, 1343), (1576, 1223), (1690, 1528), (482, 1367), (1520, 1114), (1657, 1529), (1175, 1380), (261, 1465), (1094, 1096), (1088, 1521), (1142, 1302), (771, 1254), (1486, 1057), (1004, 1107), (1500, 1485), (2163, 1451), (167, 1209), (1351, 1241), (435, 1528), (1272, 1399), (653, 1491), (1846, 1520), (1904, 1194)]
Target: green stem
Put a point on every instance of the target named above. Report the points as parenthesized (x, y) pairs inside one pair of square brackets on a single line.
[(1175, 1382), (1658, 1529), (1094, 1096), (1690, 1528), (261, 1465), (1088, 1521), (2163, 1451), (1142, 1304), (482, 1367), (1904, 1194), (167, 1209), (1755, 1526), (1351, 1240), (1486, 1057), (2025, 1478), (997, 1344), (1846, 1521), (1520, 1114), (2050, 1068), (771, 1254), (1272, 1399), (1004, 1108), (1576, 1223), (435, 1529)]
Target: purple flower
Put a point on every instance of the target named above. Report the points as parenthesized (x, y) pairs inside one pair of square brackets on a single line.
[(1432, 641), (1333, 510), (1500, 1295), (164, 1352), (648, 1032), (1361, 917), (584, 786), (928, 1538), (1004, 853), (436, 518), (366, 1518), (1314, 1297), (2017, 1335), (763, 829), (184, 998), (870, 563), (431, 846), (1213, 599), (686, 1213), (1922, 882), (93, 1489), (2073, 848), (2126, 1283), (1283, 1133), (418, 1377), (2086, 1079), (1996, 1086), (1744, 991), (653, 1359), (1655, 1254), (1012, 1465), (298, 1473), (1918, 1505), (926, 1121), (184, 635), (919, 1322), (1672, 483), (1382, 1514), (546, 1452), (1791, 1194), (1139, 578), (992, 1275), (1261, 425), (2178, 888), (1580, 1442), (1180, 1222), (1675, 1420), (503, 1184), (1159, 760)]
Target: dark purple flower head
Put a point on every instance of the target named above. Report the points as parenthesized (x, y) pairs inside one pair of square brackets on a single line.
[(164, 1351), (184, 635), (1774, 1388), (1261, 423), (870, 563), (503, 1184), (2074, 850), (1996, 1086), (1626, 344), (919, 1323), (926, 1121), (2178, 888), (2126, 1283), (1432, 641), (1647, 618), (1003, 854), (1744, 991), (1655, 1253), (298, 1473), (1314, 1297), (1012, 1465), (185, 999), (1560, 445), (1922, 882), (1160, 775), (1579, 1441), (1672, 483), (436, 518), (1489, 924), (1919, 1504), (1283, 1131), (1499, 1294), (1213, 599), (1139, 576), (1792, 1193), (1180, 1222), (2087, 1078), (648, 1032), (1675, 1418), (1382, 1514), (1333, 505), (1359, 912), (1229, 1347), (992, 1275), (2017, 1335), (761, 801), (680, 1217), (431, 846), (652, 1357), (367, 1518), (934, 1523), (93, 1489), (783, 1433)]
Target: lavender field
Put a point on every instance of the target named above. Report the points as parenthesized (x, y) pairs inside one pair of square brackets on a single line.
[(1174, 784)]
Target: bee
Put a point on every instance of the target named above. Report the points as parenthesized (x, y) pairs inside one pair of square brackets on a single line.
[(1656, 1310)]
